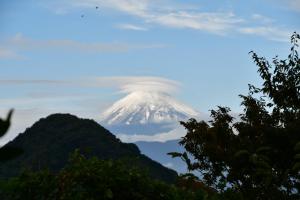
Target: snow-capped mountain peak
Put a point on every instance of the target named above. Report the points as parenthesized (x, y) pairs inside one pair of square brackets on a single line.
[(145, 107)]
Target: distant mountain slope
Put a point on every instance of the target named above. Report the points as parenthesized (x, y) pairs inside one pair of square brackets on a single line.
[(158, 152), (49, 142)]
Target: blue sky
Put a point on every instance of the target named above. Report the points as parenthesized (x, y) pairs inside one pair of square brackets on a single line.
[(54, 55)]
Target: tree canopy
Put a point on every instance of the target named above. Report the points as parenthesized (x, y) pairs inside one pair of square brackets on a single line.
[(92, 178), (258, 155)]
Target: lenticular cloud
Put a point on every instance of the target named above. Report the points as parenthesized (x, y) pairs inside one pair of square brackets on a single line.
[(129, 84)]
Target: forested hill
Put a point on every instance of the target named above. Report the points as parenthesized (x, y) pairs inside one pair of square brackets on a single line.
[(50, 141)]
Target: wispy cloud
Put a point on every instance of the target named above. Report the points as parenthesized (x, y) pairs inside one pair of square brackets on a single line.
[(269, 32), (295, 4), (164, 14), (128, 84), (21, 43), (261, 18), (131, 27), (124, 84), (218, 23), (24, 81), (9, 54), (291, 5), (160, 137), (169, 165)]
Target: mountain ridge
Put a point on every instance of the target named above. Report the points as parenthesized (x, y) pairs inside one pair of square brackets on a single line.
[(49, 142)]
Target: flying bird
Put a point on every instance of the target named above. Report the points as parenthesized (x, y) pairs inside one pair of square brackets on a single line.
[(4, 124), (82, 16), (97, 7)]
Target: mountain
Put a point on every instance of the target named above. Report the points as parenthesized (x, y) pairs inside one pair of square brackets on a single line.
[(158, 152), (49, 142), (143, 112)]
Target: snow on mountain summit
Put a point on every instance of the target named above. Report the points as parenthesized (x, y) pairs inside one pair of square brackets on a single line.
[(145, 107)]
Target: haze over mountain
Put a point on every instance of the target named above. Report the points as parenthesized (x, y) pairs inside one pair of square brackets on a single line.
[(158, 152)]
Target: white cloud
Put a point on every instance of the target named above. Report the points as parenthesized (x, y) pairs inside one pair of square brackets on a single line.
[(131, 27), (19, 42), (124, 84), (127, 84), (169, 165), (160, 137), (269, 32), (293, 4), (218, 23), (181, 16), (9, 54), (163, 13), (261, 18), (24, 81)]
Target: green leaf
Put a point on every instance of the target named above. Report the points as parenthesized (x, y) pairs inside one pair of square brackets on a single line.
[(174, 154), (297, 156), (296, 167), (5, 124), (263, 149), (297, 147), (263, 164), (241, 153), (109, 194), (187, 160)]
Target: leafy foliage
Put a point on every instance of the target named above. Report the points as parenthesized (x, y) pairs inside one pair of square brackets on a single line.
[(5, 124), (92, 179), (257, 157), (7, 153)]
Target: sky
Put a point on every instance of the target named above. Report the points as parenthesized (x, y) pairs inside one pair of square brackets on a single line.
[(80, 56)]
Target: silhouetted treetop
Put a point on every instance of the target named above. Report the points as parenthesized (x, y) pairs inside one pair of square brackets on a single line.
[(257, 157)]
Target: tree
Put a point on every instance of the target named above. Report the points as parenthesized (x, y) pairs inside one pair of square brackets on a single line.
[(7, 153), (258, 156), (5, 124), (92, 178)]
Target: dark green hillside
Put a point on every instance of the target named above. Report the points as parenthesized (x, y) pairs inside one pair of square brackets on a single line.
[(50, 141)]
